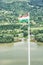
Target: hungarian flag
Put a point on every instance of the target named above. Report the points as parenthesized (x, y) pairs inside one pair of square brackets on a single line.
[(23, 18)]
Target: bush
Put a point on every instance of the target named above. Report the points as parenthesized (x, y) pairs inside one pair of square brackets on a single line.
[(35, 32), (6, 39), (39, 37), (40, 31), (25, 34)]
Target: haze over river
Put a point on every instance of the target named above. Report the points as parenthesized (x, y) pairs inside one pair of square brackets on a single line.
[(14, 54)]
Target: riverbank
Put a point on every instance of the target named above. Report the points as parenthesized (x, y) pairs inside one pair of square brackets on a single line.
[(23, 40)]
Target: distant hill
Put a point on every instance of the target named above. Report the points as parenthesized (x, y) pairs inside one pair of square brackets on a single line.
[(15, 8), (36, 2)]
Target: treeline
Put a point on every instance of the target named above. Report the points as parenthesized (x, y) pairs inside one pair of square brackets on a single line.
[(9, 27)]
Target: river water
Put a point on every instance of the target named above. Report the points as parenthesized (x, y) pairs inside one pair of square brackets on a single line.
[(36, 53), (14, 54), (17, 53)]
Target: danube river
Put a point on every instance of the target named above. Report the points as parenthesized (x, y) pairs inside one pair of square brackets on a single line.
[(14, 54), (36, 56), (17, 53)]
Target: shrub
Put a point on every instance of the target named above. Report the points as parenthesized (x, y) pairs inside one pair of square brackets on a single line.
[(25, 34), (35, 32), (6, 39), (39, 37)]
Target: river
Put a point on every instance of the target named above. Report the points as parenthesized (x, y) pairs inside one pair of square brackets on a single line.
[(14, 54), (36, 53), (17, 53)]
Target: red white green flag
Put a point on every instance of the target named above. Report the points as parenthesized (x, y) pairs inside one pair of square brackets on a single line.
[(24, 18)]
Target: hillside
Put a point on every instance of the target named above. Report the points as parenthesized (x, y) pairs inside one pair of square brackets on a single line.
[(9, 11)]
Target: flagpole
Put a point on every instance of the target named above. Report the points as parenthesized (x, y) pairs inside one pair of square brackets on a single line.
[(28, 40), (20, 18)]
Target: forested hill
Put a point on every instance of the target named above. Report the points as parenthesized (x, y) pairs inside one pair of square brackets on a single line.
[(8, 11)]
